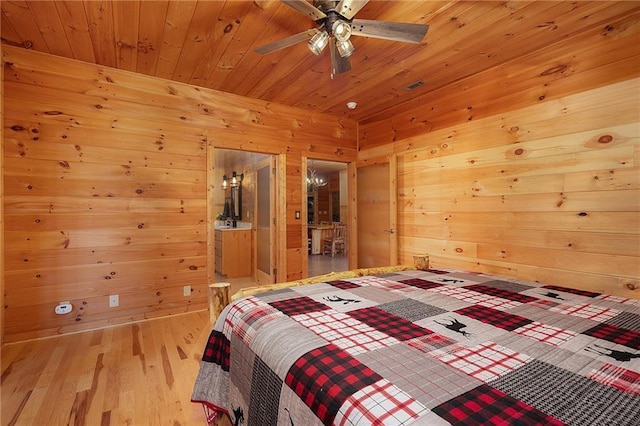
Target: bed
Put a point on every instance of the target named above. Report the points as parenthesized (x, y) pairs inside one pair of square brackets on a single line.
[(423, 347)]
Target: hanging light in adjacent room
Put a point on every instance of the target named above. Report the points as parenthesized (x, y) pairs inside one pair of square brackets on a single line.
[(314, 179)]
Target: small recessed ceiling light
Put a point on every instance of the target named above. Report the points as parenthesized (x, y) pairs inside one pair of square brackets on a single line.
[(352, 105)]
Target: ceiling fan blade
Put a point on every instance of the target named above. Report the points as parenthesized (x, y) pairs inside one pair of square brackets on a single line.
[(285, 42), (306, 8), (396, 31), (348, 8), (338, 63)]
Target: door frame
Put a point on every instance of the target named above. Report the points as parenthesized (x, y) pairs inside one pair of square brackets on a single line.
[(279, 204)]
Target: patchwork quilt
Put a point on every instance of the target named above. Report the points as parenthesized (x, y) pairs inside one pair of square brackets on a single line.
[(433, 347)]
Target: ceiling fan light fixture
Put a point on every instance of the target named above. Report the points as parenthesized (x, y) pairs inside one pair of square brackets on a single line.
[(318, 42), (341, 30), (345, 48)]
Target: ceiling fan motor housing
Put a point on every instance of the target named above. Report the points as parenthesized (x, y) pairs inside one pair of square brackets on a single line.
[(329, 9)]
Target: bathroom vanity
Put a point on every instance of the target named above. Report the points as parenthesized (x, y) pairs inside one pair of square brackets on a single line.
[(233, 251)]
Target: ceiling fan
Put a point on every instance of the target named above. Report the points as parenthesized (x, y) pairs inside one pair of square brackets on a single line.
[(335, 27)]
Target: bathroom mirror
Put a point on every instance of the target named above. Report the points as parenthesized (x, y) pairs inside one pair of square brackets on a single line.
[(236, 202)]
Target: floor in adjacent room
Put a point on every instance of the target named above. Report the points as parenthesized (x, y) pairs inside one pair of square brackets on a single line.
[(323, 264), (318, 265)]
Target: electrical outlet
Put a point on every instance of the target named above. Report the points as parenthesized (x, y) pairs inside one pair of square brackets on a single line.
[(114, 300), (186, 290), (63, 308)]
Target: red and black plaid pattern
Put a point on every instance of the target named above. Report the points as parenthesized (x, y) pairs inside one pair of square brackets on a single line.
[(217, 350), (325, 377), (380, 404), (571, 290), (391, 325), (345, 332), (485, 405), (620, 378), (494, 317), (485, 361), (380, 282), (615, 334), (298, 305), (420, 283), (237, 310), (253, 319), (344, 285), (498, 292), (545, 333), (432, 342), (587, 310), (437, 271)]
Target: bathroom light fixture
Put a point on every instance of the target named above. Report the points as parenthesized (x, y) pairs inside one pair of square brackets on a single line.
[(352, 105), (235, 180)]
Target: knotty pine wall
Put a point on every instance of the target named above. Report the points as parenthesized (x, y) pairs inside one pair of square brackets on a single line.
[(530, 169), (107, 188), (549, 192)]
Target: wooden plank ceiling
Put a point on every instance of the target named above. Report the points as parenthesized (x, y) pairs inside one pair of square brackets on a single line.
[(211, 44)]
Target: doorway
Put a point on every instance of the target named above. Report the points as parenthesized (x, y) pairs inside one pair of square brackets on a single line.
[(326, 207), (246, 204)]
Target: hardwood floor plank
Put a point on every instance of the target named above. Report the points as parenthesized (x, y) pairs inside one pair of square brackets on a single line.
[(20, 408), (138, 374)]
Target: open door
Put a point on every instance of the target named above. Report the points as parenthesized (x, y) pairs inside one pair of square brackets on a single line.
[(265, 215), (377, 215)]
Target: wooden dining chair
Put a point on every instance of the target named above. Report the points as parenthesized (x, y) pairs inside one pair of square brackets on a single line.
[(335, 243)]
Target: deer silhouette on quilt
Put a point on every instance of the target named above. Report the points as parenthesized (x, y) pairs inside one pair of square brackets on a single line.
[(622, 356), (456, 326), (239, 415)]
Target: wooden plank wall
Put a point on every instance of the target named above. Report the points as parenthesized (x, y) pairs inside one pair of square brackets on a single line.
[(559, 203), (528, 171), (106, 185), (560, 207)]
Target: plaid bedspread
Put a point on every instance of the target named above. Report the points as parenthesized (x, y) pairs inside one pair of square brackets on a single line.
[(425, 348)]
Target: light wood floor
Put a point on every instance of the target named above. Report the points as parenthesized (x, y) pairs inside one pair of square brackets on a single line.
[(138, 374)]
